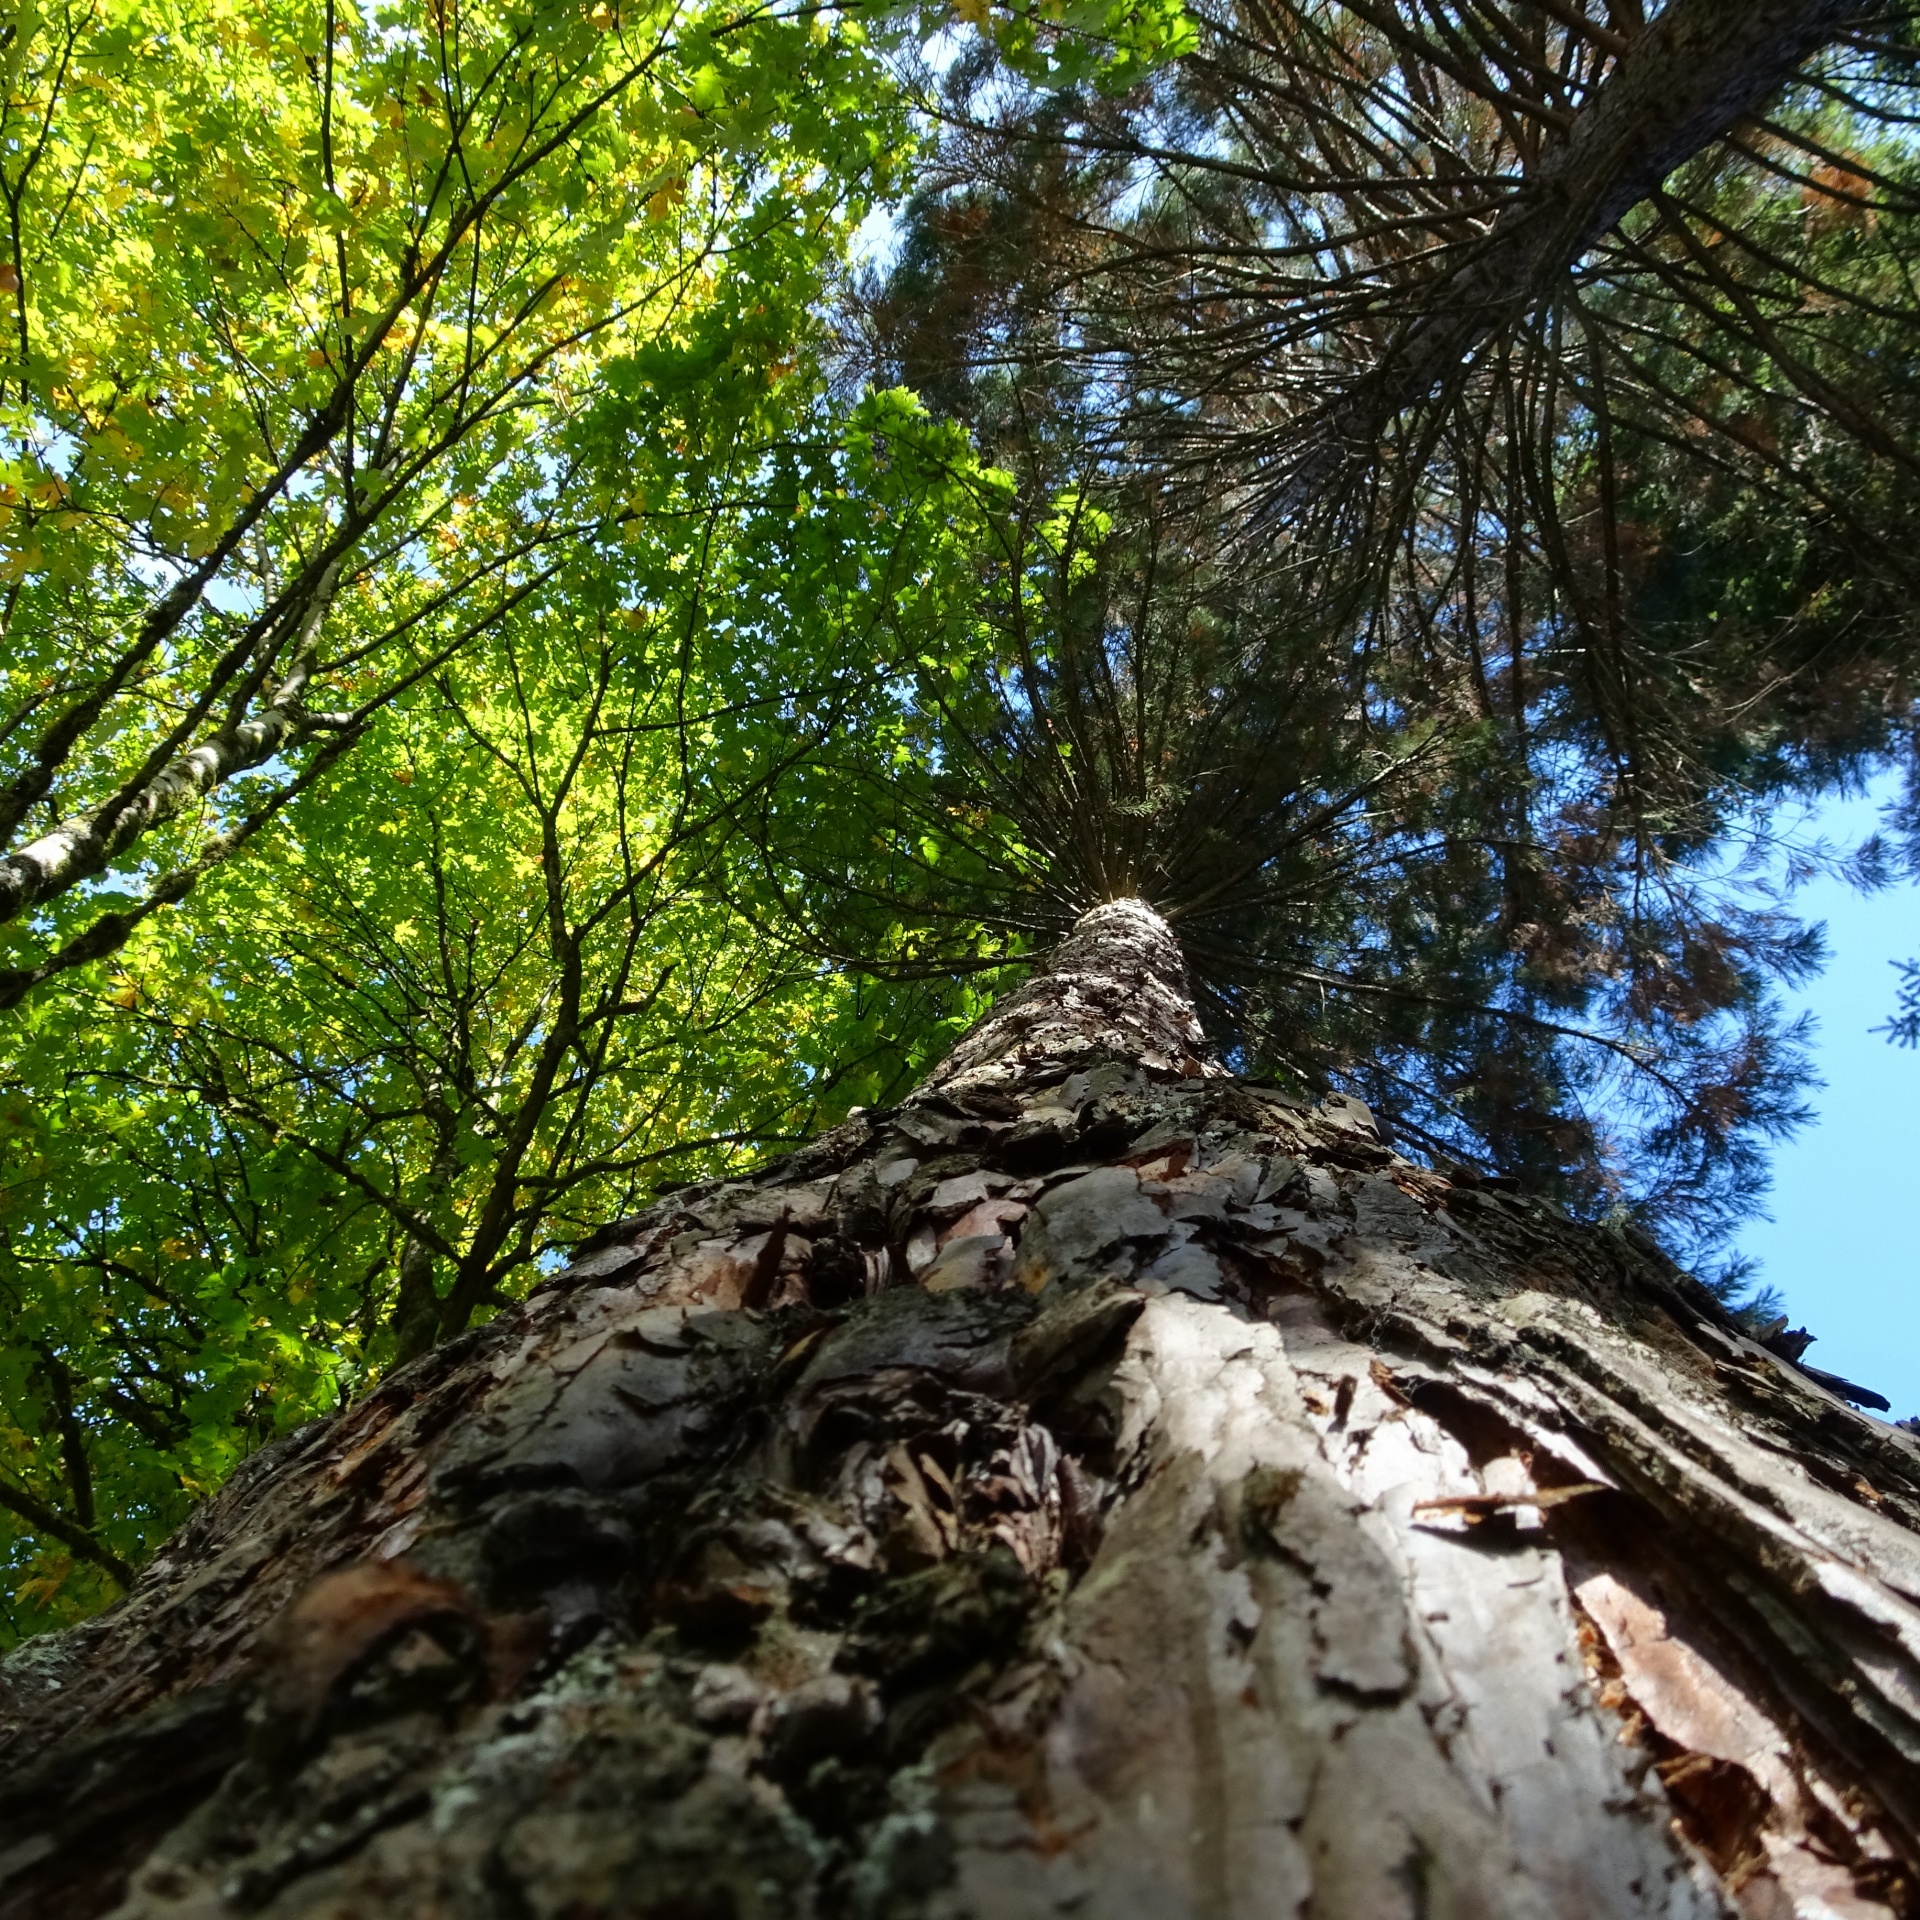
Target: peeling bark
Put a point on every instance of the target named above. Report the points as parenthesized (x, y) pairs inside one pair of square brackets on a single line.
[(1097, 1486)]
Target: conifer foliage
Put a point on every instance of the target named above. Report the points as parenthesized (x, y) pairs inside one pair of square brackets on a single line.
[(1516, 390)]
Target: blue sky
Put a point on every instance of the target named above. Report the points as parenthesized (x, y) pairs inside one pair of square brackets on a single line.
[(1842, 1247)]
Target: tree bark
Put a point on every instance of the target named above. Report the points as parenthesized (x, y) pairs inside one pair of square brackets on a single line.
[(1099, 1486)]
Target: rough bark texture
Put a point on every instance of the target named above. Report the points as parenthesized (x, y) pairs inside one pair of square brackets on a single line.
[(1098, 1486)]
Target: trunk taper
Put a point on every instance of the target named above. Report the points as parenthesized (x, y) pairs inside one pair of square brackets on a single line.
[(1098, 1486)]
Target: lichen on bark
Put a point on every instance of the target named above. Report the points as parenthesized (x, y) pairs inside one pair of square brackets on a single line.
[(1097, 1486)]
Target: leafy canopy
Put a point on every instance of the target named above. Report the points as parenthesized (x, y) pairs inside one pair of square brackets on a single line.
[(306, 303), (425, 540)]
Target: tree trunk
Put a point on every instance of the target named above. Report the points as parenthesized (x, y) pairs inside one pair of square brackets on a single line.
[(1097, 1486), (1691, 74)]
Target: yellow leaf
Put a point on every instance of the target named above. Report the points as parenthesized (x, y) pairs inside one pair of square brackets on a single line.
[(43, 1587)]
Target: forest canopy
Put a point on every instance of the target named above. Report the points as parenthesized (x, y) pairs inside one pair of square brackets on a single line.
[(582, 581)]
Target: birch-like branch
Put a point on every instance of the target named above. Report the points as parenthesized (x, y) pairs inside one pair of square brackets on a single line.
[(83, 844)]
